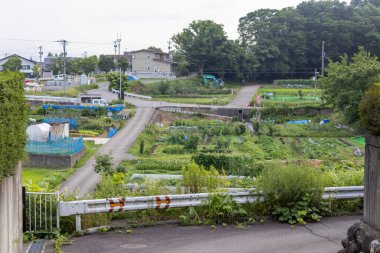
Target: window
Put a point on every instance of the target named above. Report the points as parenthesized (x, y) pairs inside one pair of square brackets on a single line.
[(25, 67)]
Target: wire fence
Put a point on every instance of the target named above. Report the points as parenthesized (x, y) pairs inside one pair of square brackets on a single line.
[(66, 146)]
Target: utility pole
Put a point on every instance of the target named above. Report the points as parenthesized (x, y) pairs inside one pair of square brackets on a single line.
[(315, 84), (41, 53), (170, 46), (64, 44), (118, 41), (323, 58), (84, 54)]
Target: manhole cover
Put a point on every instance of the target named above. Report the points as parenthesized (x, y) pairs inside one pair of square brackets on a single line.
[(133, 246)]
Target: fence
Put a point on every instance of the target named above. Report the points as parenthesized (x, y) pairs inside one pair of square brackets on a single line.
[(133, 95), (175, 201), (41, 212), (49, 99), (67, 146)]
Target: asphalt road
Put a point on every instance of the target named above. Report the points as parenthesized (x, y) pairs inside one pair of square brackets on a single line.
[(244, 96), (85, 179), (322, 237)]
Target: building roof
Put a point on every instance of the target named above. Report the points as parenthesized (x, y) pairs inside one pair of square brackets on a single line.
[(16, 55), (149, 50)]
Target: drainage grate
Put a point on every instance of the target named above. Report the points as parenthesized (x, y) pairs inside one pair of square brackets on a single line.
[(36, 246)]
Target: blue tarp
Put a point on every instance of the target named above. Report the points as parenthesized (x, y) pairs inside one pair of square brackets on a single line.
[(111, 132), (299, 122), (72, 121), (133, 78)]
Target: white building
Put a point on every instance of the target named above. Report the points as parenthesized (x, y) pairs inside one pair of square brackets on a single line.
[(26, 65)]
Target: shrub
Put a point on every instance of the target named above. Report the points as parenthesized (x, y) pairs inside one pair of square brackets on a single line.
[(13, 112), (103, 164), (192, 142), (141, 150), (197, 179), (369, 110), (293, 193)]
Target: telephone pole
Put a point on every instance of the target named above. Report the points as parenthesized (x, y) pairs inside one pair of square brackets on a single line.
[(323, 58), (170, 46), (315, 83), (117, 45), (64, 44), (41, 64)]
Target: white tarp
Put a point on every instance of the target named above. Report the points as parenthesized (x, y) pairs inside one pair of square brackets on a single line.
[(39, 132)]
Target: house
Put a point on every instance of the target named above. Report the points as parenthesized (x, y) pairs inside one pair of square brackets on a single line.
[(26, 64), (148, 62)]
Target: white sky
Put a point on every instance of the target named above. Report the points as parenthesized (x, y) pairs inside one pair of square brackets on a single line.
[(141, 23)]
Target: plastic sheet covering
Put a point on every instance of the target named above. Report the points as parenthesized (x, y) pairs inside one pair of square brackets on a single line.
[(39, 132)]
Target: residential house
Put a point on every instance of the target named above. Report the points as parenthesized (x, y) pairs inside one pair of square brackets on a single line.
[(148, 62), (26, 64)]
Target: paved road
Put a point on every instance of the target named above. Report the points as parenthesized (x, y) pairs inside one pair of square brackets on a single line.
[(244, 96), (323, 237), (85, 179)]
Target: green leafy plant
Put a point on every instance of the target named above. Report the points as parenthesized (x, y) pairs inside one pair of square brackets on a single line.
[(103, 164), (369, 110)]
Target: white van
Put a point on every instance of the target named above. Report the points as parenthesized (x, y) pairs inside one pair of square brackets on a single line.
[(99, 102), (59, 78)]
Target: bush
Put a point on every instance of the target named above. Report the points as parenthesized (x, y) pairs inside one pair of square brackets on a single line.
[(369, 110), (13, 113), (103, 164), (293, 193), (197, 179)]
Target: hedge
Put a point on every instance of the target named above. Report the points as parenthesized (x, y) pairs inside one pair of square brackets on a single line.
[(13, 113), (304, 82)]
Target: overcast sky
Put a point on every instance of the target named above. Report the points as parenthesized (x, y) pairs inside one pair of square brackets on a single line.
[(141, 23)]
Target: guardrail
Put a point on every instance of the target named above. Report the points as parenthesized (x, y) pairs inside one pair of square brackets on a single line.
[(175, 201), (51, 99), (133, 95)]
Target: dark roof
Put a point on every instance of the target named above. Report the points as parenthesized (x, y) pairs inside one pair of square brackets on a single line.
[(16, 55)]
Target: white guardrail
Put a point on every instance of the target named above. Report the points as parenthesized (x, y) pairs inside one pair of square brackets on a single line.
[(133, 95), (51, 99), (175, 201)]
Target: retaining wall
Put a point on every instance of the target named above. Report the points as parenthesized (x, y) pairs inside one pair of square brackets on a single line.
[(11, 214), (53, 161)]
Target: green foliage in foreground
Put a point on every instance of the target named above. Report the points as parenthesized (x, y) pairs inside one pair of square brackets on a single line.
[(13, 113), (348, 80), (293, 193), (369, 110)]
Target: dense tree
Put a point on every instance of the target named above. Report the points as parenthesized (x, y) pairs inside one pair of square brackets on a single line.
[(347, 81), (287, 42), (106, 63), (155, 48), (89, 64), (57, 66), (123, 63), (12, 64), (205, 45), (74, 66)]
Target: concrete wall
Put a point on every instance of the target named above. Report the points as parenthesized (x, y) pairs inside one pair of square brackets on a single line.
[(11, 214), (149, 62), (53, 161), (372, 182)]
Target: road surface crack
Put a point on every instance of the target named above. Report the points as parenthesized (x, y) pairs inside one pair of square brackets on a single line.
[(321, 236)]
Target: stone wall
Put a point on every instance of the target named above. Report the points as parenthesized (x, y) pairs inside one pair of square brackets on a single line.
[(11, 214), (364, 236)]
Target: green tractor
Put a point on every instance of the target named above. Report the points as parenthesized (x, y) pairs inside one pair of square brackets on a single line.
[(212, 81)]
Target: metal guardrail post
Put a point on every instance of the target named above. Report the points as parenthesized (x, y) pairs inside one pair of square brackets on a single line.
[(57, 196), (78, 226)]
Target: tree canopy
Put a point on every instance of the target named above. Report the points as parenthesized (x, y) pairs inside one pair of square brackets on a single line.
[(106, 63), (348, 79), (12, 64)]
